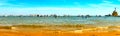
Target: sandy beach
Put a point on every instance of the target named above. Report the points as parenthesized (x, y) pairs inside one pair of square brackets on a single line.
[(47, 31), (57, 33)]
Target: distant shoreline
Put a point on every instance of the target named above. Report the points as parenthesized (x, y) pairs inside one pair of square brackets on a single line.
[(60, 16)]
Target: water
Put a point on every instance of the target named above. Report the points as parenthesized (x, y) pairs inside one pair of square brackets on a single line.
[(98, 21)]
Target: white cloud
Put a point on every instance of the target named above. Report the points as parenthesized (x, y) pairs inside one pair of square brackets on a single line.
[(3, 2), (6, 3), (118, 0), (105, 3), (76, 3)]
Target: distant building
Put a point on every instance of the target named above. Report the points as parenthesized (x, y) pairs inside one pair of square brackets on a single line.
[(115, 13)]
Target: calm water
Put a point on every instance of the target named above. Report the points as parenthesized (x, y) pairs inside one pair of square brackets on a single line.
[(99, 21)]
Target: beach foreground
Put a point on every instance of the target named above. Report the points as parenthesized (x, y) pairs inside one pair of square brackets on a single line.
[(46, 33), (38, 31)]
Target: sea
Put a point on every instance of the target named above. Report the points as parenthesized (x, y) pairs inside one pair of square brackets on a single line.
[(97, 21)]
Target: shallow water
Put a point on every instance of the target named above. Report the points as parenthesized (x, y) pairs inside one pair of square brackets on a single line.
[(97, 21)]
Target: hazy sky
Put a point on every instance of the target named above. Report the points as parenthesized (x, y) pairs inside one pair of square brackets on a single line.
[(60, 7)]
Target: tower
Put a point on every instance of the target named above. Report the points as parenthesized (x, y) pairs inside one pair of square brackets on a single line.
[(115, 13)]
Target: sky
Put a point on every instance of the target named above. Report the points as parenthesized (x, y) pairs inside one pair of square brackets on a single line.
[(59, 7)]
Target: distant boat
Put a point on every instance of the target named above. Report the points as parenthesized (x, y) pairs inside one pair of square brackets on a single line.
[(38, 15), (87, 16), (98, 16), (108, 15), (55, 15), (78, 16), (41, 16)]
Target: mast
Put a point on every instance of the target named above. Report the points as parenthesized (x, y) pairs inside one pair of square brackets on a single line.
[(115, 9)]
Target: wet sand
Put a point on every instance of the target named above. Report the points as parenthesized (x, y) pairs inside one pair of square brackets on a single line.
[(47, 31)]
